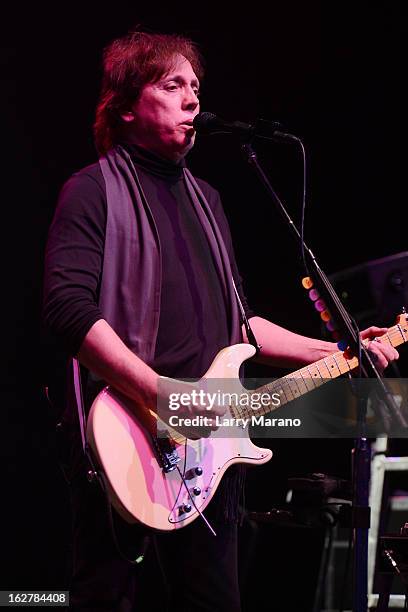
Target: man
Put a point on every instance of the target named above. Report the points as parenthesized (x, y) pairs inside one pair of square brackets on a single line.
[(138, 285)]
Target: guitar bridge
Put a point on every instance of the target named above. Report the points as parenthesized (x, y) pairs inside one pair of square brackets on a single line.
[(166, 453)]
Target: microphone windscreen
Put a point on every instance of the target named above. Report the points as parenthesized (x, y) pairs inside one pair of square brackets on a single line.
[(203, 122)]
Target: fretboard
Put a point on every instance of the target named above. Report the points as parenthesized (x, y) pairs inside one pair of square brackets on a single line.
[(310, 377)]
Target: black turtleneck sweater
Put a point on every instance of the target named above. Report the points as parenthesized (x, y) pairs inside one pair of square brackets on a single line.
[(193, 323)]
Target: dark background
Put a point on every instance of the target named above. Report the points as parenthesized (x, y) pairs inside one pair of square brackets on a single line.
[(332, 73)]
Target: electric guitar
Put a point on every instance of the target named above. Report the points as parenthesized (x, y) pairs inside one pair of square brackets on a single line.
[(166, 483)]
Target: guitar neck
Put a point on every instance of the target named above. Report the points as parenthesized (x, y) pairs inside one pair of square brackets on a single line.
[(310, 377)]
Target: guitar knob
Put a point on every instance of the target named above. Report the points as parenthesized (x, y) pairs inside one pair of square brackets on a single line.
[(193, 472), (187, 508), (196, 491)]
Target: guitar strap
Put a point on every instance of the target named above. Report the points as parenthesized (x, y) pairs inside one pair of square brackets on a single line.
[(250, 334), (76, 371), (143, 535)]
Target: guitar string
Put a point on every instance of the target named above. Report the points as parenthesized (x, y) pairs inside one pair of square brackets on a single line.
[(393, 336)]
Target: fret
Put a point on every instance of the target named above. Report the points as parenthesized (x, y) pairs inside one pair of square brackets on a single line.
[(281, 392), (315, 375), (275, 387), (270, 389), (245, 412), (327, 367), (347, 364), (239, 410), (395, 334), (318, 369), (311, 377), (294, 386), (336, 362), (300, 382), (334, 366), (321, 362), (404, 338), (288, 389), (311, 384), (264, 409), (352, 363)]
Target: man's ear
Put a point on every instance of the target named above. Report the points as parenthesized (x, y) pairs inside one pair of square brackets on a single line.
[(127, 116)]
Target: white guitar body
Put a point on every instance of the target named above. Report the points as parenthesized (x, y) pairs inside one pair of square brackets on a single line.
[(140, 488)]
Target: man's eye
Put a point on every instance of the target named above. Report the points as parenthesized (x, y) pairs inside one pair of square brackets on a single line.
[(171, 87)]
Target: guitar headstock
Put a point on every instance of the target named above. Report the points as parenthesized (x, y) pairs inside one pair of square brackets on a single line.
[(402, 319)]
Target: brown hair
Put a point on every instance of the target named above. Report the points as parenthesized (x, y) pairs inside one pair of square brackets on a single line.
[(129, 63)]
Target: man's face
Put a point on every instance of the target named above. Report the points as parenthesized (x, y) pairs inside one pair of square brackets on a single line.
[(161, 119)]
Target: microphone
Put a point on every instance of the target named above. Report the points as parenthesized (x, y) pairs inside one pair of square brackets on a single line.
[(208, 123)]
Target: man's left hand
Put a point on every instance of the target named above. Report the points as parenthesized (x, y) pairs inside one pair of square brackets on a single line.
[(382, 353)]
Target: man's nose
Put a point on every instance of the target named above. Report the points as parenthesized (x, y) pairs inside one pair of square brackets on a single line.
[(191, 100)]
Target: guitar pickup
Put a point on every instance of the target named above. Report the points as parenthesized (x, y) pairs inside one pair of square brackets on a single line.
[(167, 453)]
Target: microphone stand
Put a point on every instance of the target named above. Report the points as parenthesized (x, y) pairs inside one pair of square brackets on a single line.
[(388, 410)]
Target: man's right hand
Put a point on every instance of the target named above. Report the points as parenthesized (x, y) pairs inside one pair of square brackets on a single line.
[(190, 408)]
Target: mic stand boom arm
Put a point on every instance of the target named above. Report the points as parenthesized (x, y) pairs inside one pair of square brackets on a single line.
[(347, 326), (362, 452)]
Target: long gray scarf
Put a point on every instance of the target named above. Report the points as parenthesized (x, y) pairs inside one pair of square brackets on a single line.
[(132, 276)]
